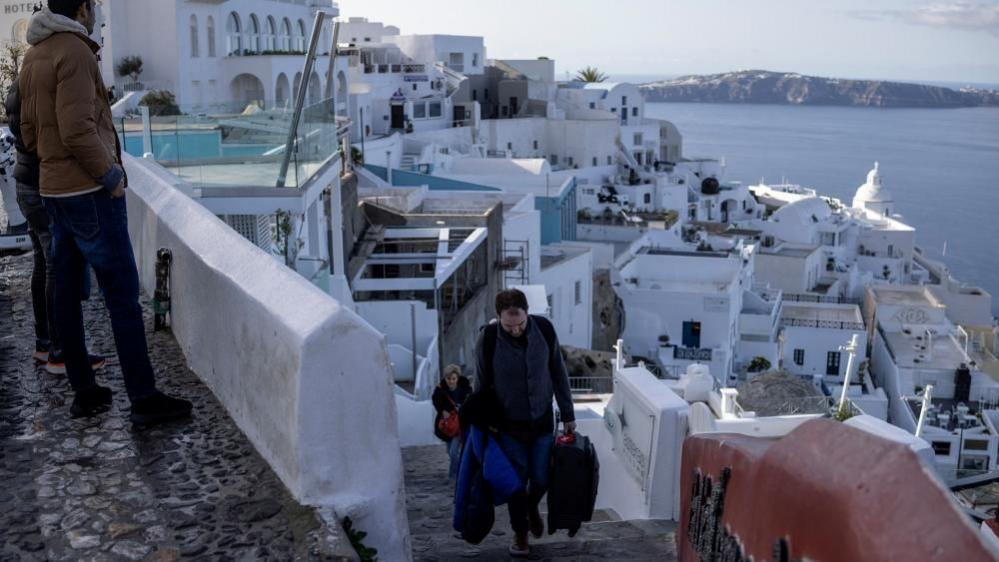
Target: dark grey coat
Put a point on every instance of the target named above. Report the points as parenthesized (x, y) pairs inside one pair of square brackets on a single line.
[(523, 379)]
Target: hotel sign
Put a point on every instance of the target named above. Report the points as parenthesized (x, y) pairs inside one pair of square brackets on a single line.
[(19, 8), (691, 354), (415, 78)]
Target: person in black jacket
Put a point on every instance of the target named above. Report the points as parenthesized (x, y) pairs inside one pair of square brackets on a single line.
[(26, 172), (448, 398), (519, 370)]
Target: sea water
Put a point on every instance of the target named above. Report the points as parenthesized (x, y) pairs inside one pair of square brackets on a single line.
[(941, 165)]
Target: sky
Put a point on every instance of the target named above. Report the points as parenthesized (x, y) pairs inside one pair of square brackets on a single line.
[(877, 39)]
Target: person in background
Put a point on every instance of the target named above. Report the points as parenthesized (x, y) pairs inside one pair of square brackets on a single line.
[(521, 363), (448, 397), (48, 348), (66, 121)]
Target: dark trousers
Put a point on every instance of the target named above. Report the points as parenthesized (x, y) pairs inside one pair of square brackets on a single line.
[(42, 275), (94, 228), (533, 457)]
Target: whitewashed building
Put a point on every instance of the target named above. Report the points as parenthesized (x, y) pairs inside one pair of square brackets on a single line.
[(221, 56)]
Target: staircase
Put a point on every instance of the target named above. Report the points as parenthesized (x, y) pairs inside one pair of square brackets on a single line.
[(430, 507)]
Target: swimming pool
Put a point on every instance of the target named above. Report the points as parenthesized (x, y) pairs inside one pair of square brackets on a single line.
[(191, 145)]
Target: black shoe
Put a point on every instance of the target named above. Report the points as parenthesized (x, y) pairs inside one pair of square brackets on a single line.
[(159, 408), (90, 402)]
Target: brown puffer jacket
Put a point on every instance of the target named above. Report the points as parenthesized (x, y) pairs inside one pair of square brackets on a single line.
[(65, 116)]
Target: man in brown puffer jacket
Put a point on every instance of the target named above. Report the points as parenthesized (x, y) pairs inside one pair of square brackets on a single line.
[(66, 121)]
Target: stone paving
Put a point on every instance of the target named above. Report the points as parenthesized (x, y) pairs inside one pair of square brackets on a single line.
[(99, 489), (429, 506)]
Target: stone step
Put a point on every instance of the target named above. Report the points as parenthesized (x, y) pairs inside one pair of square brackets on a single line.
[(429, 503)]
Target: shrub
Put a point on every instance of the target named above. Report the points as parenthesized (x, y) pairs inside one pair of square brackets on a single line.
[(160, 103), (758, 364), (131, 67)]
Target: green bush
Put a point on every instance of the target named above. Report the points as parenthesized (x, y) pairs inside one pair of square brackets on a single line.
[(758, 364), (366, 553), (160, 103)]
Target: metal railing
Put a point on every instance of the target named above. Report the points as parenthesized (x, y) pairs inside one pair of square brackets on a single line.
[(801, 297), (830, 324), (591, 385)]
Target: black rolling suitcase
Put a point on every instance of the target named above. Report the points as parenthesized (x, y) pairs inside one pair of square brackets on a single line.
[(572, 490)]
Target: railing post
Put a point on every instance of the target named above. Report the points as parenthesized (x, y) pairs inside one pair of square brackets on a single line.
[(927, 396), (292, 141), (619, 358)]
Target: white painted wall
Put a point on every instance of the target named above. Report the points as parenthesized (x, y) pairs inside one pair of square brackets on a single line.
[(273, 349), (640, 459), (415, 422), (816, 343), (573, 320)]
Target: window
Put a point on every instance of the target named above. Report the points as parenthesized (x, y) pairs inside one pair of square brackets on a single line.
[(570, 161), (509, 146), (832, 363), (535, 145), (579, 292), (976, 445), (613, 110), (941, 448), (211, 36), (594, 160), (435, 109), (285, 35), (634, 112), (253, 42), (485, 93), (692, 334), (504, 111), (419, 110), (624, 100), (554, 159), (593, 105), (414, 86), (475, 60), (475, 95), (233, 32), (301, 36), (270, 34), (194, 37), (637, 139), (367, 39), (610, 160), (799, 357), (624, 115), (647, 198)]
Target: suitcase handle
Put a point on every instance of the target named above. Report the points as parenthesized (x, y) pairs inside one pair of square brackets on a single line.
[(565, 439)]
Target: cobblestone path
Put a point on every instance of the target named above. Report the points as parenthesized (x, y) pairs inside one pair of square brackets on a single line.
[(98, 489), (429, 503)]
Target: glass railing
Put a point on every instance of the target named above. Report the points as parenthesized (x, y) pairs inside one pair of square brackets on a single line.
[(226, 145)]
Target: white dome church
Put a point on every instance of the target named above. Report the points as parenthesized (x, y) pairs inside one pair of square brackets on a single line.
[(873, 196)]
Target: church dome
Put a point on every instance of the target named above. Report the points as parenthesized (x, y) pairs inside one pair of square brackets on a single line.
[(873, 191)]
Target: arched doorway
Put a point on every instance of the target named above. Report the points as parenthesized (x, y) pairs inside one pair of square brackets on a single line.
[(728, 209), (297, 86), (315, 89), (247, 89), (282, 90)]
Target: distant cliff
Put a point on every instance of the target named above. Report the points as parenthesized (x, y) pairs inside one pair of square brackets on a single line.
[(763, 86)]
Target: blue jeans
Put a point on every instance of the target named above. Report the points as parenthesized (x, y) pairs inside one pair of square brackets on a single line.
[(533, 458), (454, 452), (93, 228)]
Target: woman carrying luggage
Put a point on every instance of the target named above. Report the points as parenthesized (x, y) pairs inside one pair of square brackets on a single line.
[(448, 397)]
